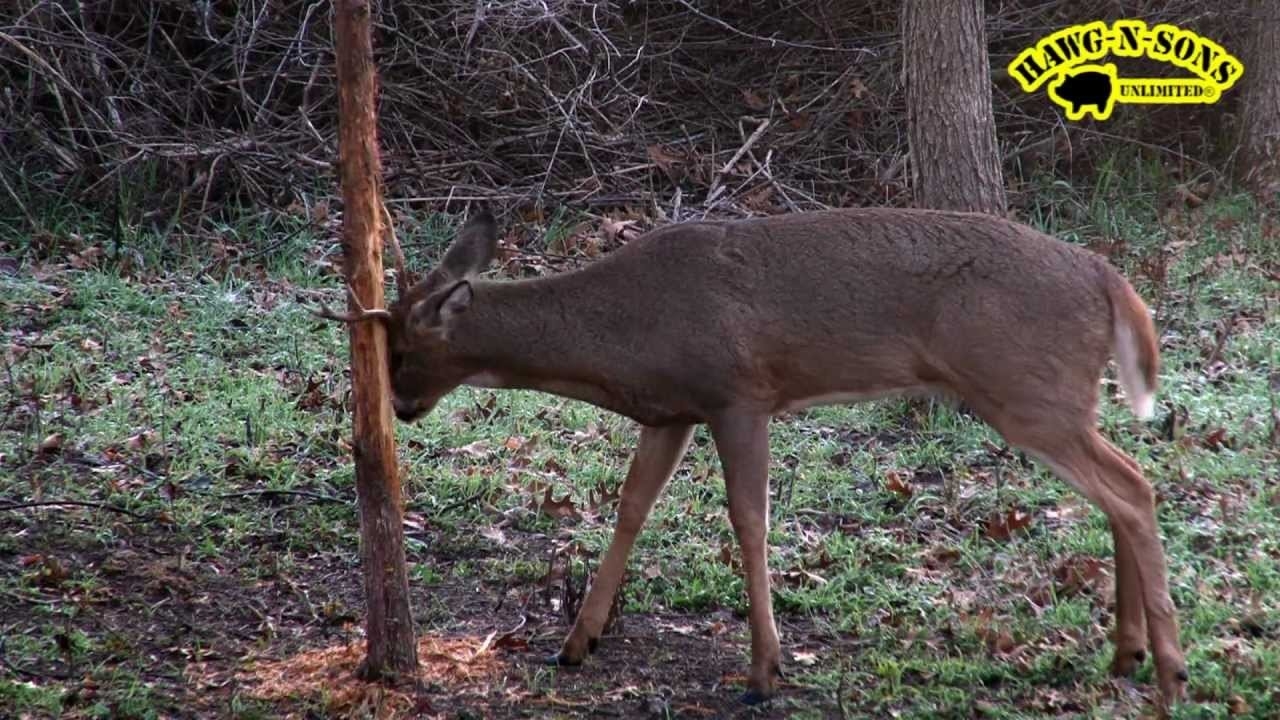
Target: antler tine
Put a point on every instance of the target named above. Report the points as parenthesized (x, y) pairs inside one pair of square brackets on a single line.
[(403, 280), (359, 315)]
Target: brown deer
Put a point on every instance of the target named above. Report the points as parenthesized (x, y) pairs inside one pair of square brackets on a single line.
[(729, 323)]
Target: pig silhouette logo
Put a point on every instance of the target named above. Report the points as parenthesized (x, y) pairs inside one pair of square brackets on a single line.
[(1070, 66), (1089, 89)]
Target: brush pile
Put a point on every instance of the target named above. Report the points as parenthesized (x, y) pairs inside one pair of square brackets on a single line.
[(192, 109)]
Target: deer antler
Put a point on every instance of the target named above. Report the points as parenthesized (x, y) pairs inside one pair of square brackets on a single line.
[(359, 315), (404, 280)]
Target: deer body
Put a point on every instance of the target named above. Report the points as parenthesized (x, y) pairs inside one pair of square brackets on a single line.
[(730, 323)]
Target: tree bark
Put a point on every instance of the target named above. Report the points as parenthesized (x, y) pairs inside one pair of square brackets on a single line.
[(951, 130), (391, 648), (1259, 162)]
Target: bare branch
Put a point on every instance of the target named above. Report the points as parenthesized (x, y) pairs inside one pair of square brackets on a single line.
[(404, 280), (360, 314)]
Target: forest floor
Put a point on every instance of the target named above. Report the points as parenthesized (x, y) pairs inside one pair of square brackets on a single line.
[(174, 425)]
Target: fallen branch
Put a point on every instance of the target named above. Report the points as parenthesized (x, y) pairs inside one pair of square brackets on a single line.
[(294, 493), (76, 503)]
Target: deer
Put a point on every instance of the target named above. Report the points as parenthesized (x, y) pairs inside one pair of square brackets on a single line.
[(729, 323)]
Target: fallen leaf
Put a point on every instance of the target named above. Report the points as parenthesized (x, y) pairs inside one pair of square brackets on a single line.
[(139, 441), (754, 100), (895, 484), (857, 88), (804, 657), (1001, 527), (558, 509), (478, 449), (941, 557), (51, 444), (799, 120), (1217, 440), (606, 497), (415, 522), (511, 641), (85, 259), (1076, 574), (667, 161), (1237, 706), (618, 230)]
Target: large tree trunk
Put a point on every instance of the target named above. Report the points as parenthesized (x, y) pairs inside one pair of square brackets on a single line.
[(389, 627), (1259, 161), (951, 131)]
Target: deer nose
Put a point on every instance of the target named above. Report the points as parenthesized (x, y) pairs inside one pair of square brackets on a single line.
[(406, 412)]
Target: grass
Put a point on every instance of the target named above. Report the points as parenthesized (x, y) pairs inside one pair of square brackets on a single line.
[(208, 404)]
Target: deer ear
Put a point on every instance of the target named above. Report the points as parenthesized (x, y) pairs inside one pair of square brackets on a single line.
[(474, 248), (437, 311)]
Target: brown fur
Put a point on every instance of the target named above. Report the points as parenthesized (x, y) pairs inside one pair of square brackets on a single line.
[(731, 322)]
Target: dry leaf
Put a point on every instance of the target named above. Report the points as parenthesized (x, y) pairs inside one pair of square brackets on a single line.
[(478, 449), (1217, 439), (857, 88), (799, 120), (139, 441), (51, 444), (754, 100), (1076, 574), (804, 657), (558, 509), (86, 259), (606, 497), (1237, 706), (1001, 527), (895, 484), (494, 535), (618, 230), (667, 161)]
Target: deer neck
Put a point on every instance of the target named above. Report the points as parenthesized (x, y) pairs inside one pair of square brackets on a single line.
[(536, 335)]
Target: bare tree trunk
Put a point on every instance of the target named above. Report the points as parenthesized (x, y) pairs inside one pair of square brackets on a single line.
[(1259, 162), (389, 625), (951, 131)]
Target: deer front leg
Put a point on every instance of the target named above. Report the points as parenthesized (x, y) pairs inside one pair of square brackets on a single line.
[(743, 444), (657, 454)]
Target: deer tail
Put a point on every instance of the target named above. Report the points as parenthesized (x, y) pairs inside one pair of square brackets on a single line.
[(1136, 347)]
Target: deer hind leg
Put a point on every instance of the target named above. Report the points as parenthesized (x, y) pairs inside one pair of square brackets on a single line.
[(1131, 619), (742, 440), (657, 454), (1113, 482)]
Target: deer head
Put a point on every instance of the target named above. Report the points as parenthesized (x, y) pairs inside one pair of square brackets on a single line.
[(421, 320)]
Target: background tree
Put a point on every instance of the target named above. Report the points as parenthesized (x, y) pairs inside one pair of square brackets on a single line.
[(951, 132), (1259, 161), (389, 635)]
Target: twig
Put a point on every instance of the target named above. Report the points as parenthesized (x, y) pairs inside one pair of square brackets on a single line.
[(31, 220), (297, 493), (75, 503), (772, 41), (716, 187), (11, 667), (464, 501)]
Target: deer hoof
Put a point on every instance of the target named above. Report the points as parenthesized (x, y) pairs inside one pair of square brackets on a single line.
[(1126, 662), (561, 660), (753, 697)]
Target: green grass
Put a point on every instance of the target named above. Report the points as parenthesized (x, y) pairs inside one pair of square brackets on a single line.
[(177, 393)]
